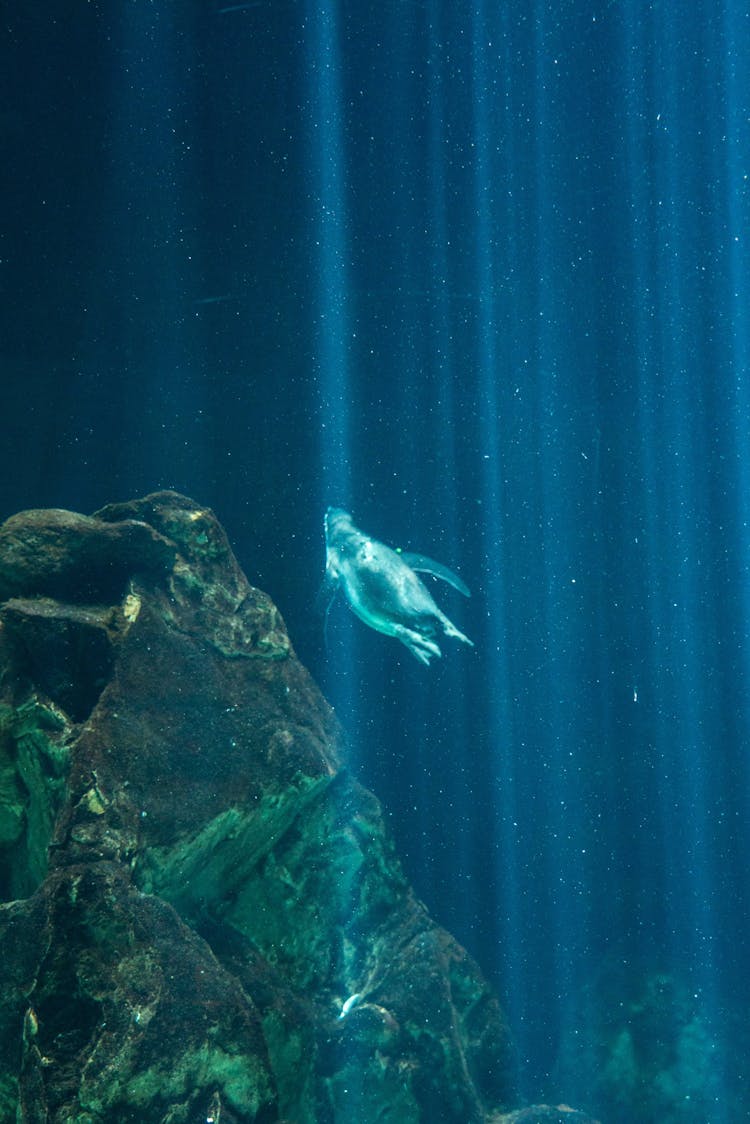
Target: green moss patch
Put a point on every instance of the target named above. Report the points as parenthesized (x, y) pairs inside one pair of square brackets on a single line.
[(33, 765)]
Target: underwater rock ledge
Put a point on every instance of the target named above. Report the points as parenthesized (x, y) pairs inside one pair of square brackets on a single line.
[(203, 917)]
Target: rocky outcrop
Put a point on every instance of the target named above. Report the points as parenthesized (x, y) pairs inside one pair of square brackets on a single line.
[(204, 917), (651, 1048)]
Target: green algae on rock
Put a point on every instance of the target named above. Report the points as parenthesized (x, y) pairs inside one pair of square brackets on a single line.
[(34, 759)]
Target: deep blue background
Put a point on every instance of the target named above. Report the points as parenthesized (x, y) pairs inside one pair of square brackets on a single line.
[(479, 272)]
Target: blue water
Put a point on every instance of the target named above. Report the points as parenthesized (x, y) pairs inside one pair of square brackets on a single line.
[(479, 273)]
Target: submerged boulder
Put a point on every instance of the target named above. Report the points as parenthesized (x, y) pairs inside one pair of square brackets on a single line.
[(648, 1048), (203, 915)]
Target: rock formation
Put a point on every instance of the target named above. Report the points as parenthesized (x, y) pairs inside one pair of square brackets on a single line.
[(203, 916)]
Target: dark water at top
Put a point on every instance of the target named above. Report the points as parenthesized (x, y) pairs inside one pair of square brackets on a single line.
[(477, 272)]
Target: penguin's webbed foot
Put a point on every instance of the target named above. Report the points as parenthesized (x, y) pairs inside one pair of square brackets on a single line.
[(419, 646)]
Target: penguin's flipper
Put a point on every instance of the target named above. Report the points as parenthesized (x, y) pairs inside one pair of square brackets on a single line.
[(429, 566)]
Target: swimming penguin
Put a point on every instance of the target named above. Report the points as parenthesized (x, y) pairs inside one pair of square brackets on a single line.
[(383, 589)]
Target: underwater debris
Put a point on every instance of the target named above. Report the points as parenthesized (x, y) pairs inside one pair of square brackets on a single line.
[(350, 1003), (30, 1024), (213, 1116)]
